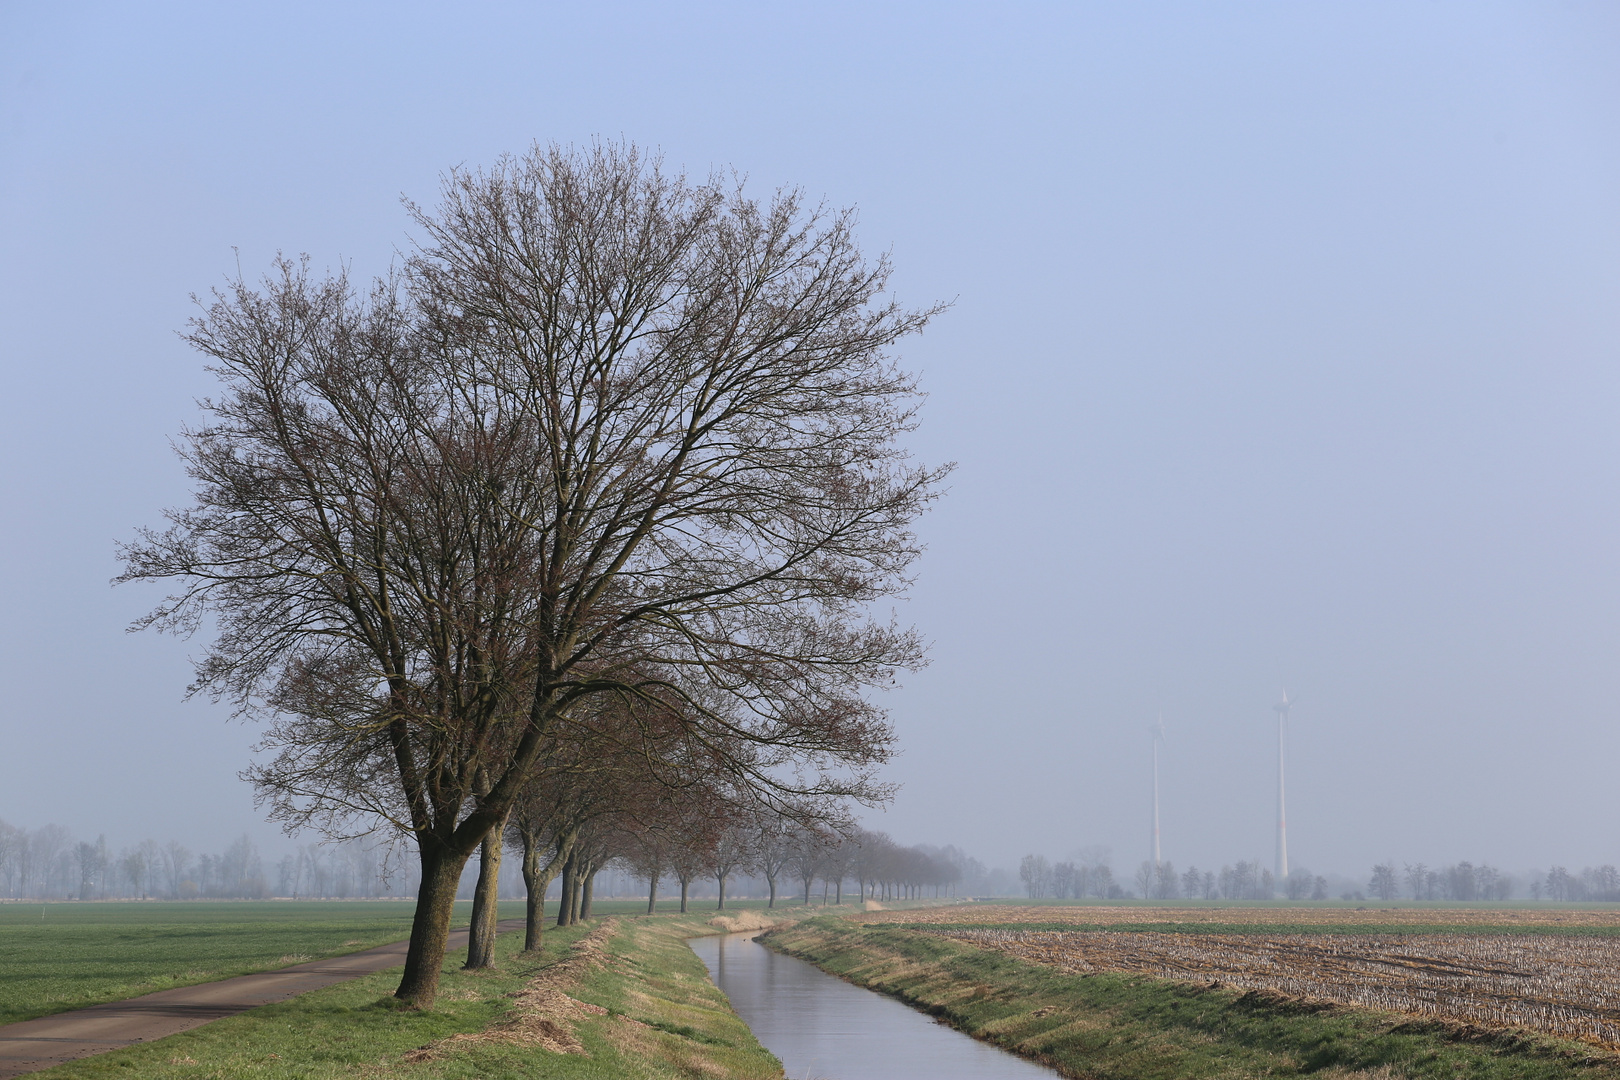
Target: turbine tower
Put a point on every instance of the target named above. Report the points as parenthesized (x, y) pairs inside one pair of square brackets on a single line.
[(1158, 737), (1280, 869)]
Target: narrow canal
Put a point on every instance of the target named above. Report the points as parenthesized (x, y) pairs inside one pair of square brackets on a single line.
[(826, 1029)]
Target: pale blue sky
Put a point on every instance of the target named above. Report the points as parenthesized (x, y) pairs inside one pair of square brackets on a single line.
[(1284, 349)]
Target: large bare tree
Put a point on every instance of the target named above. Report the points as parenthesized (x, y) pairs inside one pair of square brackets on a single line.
[(610, 432)]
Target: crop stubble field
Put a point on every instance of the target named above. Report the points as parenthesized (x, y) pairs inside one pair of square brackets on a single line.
[(1555, 971)]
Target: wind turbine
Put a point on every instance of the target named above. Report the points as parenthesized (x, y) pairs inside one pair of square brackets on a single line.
[(1158, 737), (1280, 870)]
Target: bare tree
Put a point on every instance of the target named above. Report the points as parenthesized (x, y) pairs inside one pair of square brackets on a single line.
[(1035, 872), (620, 434), (134, 865), (776, 839), (733, 853), (1417, 881), (176, 865), (1383, 884)]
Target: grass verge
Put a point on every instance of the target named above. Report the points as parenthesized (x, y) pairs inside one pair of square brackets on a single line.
[(1123, 1026), (647, 1010)]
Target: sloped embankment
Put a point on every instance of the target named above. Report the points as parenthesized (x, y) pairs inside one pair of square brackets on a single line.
[(629, 998), (1130, 1026)]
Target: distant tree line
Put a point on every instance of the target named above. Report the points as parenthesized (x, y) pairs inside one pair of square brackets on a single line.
[(1064, 880), (1459, 881), (785, 856), (49, 864), (1092, 877), (1592, 883), (1466, 881)]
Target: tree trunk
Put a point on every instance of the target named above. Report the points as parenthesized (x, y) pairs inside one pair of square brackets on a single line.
[(567, 890), (771, 881), (721, 878), (685, 881), (537, 879), (535, 883), (430, 928), (587, 889), (486, 900), (839, 885), (575, 905), (652, 891)]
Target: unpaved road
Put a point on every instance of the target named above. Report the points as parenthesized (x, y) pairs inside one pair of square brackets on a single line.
[(50, 1040)]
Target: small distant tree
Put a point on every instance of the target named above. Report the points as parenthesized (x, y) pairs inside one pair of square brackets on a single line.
[(776, 840), (1063, 879), (732, 853), (1382, 884), (1166, 886), (1147, 876), (92, 860), (1299, 883), (837, 856), (1034, 872), (134, 867), (1560, 886), (1458, 882)]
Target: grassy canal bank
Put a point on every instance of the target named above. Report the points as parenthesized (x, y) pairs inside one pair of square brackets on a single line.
[(1133, 1027), (620, 997)]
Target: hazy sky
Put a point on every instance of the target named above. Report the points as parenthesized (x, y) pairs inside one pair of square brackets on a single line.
[(1285, 349)]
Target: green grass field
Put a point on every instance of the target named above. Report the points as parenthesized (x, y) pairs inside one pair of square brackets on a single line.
[(61, 956), (66, 956)]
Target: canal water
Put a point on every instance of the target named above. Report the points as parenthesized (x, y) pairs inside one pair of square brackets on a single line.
[(826, 1029)]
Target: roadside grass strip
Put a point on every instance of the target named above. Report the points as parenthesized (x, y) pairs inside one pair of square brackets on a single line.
[(617, 998), (1132, 1027)]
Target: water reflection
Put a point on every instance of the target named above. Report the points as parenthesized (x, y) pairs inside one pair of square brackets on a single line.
[(824, 1028)]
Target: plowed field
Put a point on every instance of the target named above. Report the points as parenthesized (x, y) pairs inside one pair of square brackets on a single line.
[(1558, 983), (1373, 918)]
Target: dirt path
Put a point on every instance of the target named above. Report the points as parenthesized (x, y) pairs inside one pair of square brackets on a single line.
[(50, 1040)]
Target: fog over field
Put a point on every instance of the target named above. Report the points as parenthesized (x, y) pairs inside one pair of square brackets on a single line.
[(1285, 352)]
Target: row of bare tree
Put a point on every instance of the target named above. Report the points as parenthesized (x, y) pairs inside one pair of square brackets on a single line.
[(1592, 883), (1089, 877), (47, 863), (574, 524), (718, 842), (1092, 877), (1466, 881)]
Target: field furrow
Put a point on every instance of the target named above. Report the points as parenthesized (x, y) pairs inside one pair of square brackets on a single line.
[(1558, 984)]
